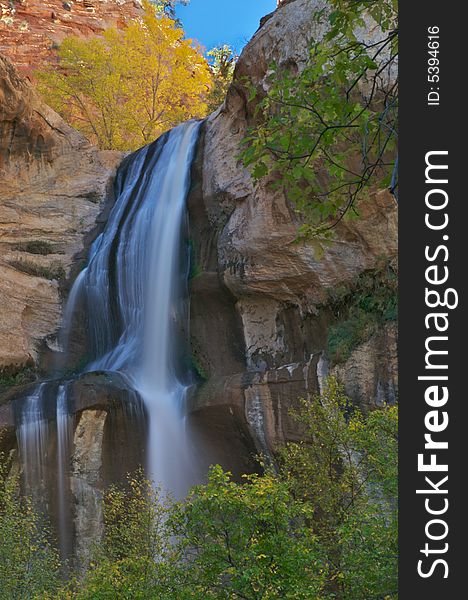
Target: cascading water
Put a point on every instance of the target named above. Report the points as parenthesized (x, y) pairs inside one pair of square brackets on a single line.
[(134, 296), (32, 434), (64, 432), (44, 431), (134, 291)]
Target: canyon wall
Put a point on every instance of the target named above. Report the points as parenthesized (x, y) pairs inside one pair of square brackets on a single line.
[(260, 314), (53, 186), (31, 30)]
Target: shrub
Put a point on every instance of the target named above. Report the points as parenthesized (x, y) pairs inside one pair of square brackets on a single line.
[(53, 271), (29, 565), (36, 247)]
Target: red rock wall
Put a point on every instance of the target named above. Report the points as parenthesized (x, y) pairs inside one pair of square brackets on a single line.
[(30, 29)]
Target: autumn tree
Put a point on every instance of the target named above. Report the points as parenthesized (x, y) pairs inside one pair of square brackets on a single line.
[(222, 61), (124, 89), (169, 7), (137, 556), (346, 471)]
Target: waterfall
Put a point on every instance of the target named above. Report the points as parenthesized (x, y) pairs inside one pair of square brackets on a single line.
[(39, 440), (64, 434), (32, 434), (133, 294)]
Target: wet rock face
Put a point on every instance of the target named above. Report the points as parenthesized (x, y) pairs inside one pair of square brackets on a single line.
[(53, 188), (109, 443), (30, 30), (249, 267), (370, 374), (85, 477)]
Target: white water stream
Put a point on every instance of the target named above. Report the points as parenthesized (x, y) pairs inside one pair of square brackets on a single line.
[(134, 295)]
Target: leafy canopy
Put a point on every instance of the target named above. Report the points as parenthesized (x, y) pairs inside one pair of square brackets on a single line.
[(124, 89), (169, 6), (329, 132), (248, 540), (222, 61), (347, 472)]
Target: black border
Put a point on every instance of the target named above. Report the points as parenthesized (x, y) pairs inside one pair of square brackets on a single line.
[(424, 128)]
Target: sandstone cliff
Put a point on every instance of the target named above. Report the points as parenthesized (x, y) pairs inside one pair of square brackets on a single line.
[(30, 30), (260, 303), (52, 186), (260, 299)]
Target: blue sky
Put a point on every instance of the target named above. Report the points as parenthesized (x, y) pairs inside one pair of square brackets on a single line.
[(216, 22)]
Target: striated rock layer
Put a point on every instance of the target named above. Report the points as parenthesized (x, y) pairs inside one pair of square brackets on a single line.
[(53, 184), (30, 30)]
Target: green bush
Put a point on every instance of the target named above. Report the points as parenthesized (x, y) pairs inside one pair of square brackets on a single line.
[(36, 247), (344, 337), (347, 471), (29, 565), (199, 369), (53, 271), (8, 379)]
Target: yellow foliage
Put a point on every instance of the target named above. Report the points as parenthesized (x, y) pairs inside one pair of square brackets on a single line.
[(124, 89)]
